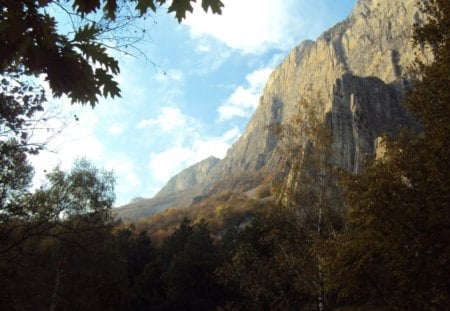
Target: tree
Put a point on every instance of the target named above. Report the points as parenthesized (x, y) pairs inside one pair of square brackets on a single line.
[(275, 262), (181, 276), (189, 278), (20, 102), (268, 264), (140, 253), (66, 223), (61, 235), (394, 251), (77, 64), (312, 192), (15, 178)]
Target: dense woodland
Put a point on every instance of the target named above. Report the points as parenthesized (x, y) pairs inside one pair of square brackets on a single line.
[(379, 240)]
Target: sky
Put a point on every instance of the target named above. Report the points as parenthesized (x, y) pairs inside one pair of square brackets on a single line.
[(189, 97)]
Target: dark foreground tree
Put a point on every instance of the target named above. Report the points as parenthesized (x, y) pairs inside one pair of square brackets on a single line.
[(395, 251), (56, 247), (268, 264), (181, 276)]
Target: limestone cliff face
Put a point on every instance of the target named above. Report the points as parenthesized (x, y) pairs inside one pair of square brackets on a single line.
[(188, 178), (180, 190), (356, 74)]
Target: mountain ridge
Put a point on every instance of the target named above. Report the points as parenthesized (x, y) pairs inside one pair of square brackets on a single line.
[(356, 73), (324, 62), (189, 177)]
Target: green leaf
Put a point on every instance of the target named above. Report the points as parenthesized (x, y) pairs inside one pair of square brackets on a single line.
[(215, 5), (43, 3), (86, 33), (105, 81), (143, 5), (110, 9), (180, 7), (86, 6), (97, 53)]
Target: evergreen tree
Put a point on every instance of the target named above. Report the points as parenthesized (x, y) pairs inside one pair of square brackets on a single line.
[(190, 279), (181, 276)]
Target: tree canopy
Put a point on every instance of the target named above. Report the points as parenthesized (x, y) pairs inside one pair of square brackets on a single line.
[(77, 64), (385, 246), (394, 251)]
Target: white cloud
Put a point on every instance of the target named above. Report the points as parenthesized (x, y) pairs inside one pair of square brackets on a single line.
[(169, 119), (252, 26), (116, 129), (127, 178), (167, 163), (185, 143), (244, 100), (231, 135), (66, 140), (213, 55), (203, 47), (125, 169)]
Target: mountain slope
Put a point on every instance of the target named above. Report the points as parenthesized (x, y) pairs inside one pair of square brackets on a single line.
[(189, 177), (355, 74), (180, 190), (374, 41)]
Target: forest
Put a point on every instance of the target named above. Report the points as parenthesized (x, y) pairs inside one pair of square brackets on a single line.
[(378, 240)]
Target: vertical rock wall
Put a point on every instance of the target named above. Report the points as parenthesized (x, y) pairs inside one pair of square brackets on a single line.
[(355, 72)]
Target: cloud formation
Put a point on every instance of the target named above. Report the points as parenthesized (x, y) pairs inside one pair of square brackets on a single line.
[(66, 140), (165, 164), (169, 119), (144, 136), (125, 170), (251, 26), (116, 129), (244, 99)]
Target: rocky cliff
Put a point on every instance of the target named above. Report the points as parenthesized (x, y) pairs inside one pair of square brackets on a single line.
[(180, 190), (189, 177), (356, 71), (355, 74)]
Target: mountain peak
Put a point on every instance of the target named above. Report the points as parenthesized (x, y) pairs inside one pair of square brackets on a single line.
[(191, 177), (355, 73)]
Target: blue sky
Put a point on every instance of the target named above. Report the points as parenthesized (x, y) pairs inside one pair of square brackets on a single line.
[(191, 96)]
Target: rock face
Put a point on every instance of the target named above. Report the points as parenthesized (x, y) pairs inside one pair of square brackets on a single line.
[(354, 74), (179, 191), (189, 177)]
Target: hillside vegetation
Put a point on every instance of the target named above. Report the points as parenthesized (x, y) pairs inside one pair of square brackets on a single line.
[(321, 237)]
